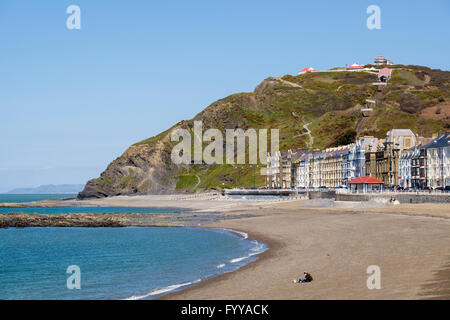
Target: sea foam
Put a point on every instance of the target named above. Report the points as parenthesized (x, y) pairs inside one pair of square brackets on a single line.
[(162, 290)]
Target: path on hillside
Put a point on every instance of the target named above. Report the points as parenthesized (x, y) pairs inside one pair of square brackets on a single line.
[(198, 182), (308, 132), (311, 138), (359, 124), (290, 83)]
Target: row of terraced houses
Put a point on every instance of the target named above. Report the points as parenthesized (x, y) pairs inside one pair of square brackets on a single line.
[(401, 159)]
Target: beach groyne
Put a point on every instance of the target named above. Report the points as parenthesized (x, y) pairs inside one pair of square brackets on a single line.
[(264, 192), (405, 197)]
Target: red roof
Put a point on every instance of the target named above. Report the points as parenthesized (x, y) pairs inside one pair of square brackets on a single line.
[(355, 66), (365, 180), (308, 69), (385, 72)]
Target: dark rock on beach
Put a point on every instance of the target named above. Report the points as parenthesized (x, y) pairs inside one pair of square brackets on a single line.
[(95, 220)]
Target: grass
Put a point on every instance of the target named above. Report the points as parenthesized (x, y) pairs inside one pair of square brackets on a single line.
[(186, 181), (220, 176), (405, 77), (330, 127)]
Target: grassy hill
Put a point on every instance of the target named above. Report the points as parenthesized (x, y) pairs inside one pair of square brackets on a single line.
[(327, 103)]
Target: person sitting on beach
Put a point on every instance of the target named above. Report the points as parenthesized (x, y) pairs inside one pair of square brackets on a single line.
[(306, 278)]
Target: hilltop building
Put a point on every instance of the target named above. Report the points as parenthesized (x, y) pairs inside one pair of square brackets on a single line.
[(380, 60), (354, 67), (384, 74), (307, 70)]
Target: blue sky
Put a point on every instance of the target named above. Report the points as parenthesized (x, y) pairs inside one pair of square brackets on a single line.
[(73, 100)]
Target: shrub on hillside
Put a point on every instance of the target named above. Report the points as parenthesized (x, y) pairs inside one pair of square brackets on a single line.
[(410, 103), (348, 137)]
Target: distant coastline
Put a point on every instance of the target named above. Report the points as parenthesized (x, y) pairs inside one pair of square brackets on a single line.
[(49, 189)]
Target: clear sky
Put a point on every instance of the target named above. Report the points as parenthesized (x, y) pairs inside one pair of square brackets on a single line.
[(71, 101)]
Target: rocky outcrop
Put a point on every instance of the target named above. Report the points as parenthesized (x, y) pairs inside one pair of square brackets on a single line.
[(114, 220), (142, 169), (21, 220)]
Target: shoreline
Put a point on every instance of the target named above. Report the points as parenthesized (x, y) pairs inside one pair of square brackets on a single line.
[(161, 293), (270, 244)]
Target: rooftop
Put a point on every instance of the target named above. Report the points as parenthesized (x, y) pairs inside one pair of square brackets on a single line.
[(364, 179)]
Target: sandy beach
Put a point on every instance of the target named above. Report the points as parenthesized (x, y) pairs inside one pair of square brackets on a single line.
[(410, 244)]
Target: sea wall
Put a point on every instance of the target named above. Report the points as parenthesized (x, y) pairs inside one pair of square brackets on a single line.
[(321, 195), (400, 197)]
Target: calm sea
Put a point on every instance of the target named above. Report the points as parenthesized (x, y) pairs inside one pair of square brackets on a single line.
[(116, 263), (32, 197)]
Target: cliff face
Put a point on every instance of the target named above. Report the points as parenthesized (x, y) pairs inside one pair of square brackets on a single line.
[(142, 169), (327, 103)]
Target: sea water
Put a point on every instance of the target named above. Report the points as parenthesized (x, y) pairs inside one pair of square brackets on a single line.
[(33, 197), (116, 263), (85, 209)]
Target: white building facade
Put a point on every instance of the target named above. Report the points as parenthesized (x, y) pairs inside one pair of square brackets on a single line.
[(438, 161), (405, 169), (354, 161)]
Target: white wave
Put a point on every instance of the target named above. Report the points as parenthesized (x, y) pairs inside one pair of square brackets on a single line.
[(220, 266), (157, 291), (239, 259), (240, 233), (258, 248)]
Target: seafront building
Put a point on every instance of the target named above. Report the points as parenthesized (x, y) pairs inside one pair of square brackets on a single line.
[(354, 160), (303, 170), (438, 161), (383, 163), (406, 176), (273, 170), (401, 159)]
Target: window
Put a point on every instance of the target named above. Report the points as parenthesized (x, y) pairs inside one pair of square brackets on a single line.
[(407, 142)]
